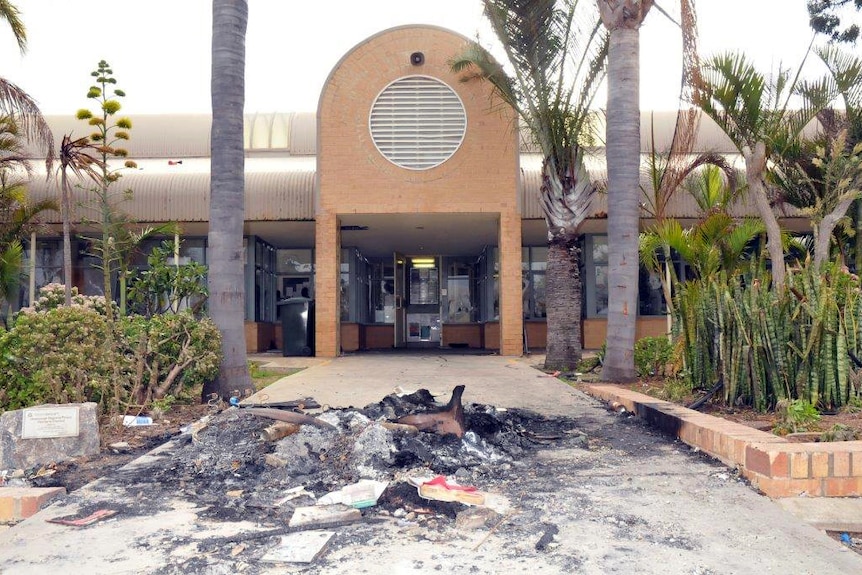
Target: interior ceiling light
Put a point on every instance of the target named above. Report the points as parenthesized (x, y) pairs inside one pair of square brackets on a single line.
[(415, 265), (422, 260)]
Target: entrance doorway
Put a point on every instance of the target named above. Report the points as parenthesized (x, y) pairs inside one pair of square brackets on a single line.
[(418, 280), (419, 301)]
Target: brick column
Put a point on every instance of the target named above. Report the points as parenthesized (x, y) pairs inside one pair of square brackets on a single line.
[(327, 297), (511, 297)]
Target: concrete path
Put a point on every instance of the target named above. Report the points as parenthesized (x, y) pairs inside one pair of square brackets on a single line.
[(631, 501), (361, 379)]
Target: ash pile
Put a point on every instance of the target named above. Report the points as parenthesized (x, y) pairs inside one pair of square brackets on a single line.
[(406, 456)]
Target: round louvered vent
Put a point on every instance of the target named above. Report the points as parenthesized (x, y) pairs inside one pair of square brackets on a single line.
[(417, 122)]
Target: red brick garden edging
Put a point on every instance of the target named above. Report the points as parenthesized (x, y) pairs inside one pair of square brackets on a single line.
[(774, 465)]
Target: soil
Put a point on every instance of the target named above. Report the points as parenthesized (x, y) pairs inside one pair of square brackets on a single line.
[(120, 445)]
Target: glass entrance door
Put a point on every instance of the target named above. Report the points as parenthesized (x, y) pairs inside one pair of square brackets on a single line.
[(400, 265), (423, 301)]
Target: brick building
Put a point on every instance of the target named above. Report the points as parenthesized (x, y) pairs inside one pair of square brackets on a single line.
[(406, 207)]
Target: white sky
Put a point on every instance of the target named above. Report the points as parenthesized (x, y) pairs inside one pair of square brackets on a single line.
[(160, 49)]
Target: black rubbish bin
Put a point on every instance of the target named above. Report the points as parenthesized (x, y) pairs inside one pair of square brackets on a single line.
[(297, 324)]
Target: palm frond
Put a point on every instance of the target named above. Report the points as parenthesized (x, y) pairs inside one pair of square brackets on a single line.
[(81, 158), (733, 94), (35, 129), (846, 71), (740, 237), (556, 50), (10, 268), (12, 15)]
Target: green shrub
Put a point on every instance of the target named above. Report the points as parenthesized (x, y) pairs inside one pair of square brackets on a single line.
[(164, 287), (652, 356), (675, 389), (795, 415), (59, 355), (173, 353), (766, 346), (840, 432)]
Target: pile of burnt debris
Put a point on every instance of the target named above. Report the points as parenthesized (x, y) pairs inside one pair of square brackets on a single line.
[(298, 467)]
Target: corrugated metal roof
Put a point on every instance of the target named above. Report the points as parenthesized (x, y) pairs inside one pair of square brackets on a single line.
[(172, 179), (683, 205), (179, 136), (188, 135), (277, 188), (283, 188), (710, 137)]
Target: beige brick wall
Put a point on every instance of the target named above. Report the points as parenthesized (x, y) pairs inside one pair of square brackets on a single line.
[(326, 282), (595, 330), (353, 177)]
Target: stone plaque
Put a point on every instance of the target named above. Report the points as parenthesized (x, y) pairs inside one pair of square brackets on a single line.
[(48, 433), (49, 422)]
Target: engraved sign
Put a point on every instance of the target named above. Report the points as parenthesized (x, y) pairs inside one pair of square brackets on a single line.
[(45, 423)]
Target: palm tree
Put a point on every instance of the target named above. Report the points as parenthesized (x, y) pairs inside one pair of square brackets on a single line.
[(17, 215), (557, 52), (846, 71), (15, 101), (668, 174), (755, 113), (226, 279), (623, 19), (80, 157), (716, 242)]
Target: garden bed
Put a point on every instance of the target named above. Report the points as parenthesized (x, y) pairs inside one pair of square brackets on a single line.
[(669, 390)]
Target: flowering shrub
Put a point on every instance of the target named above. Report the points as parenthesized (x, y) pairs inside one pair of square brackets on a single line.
[(59, 355), (53, 296)]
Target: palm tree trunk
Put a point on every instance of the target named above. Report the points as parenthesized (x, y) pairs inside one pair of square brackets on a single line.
[(623, 160), (65, 206), (226, 274), (563, 293), (755, 165), (824, 229)]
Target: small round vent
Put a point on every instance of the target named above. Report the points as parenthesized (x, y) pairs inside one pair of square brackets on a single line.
[(417, 122)]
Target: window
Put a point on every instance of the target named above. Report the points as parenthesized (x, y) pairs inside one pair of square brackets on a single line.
[(382, 291), (651, 299), (598, 252), (48, 267), (417, 122), (488, 285), (534, 262), (264, 281)]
